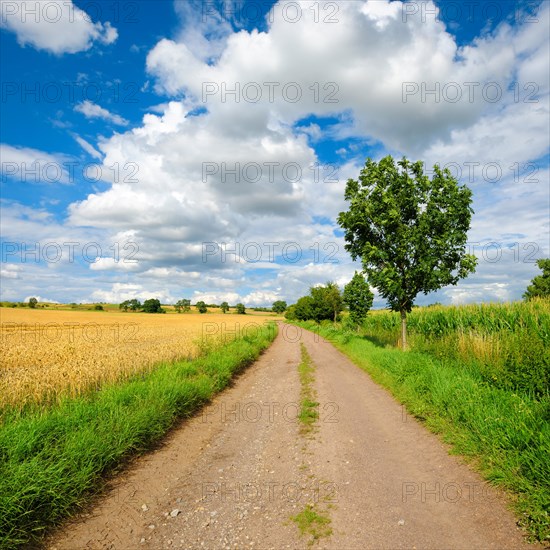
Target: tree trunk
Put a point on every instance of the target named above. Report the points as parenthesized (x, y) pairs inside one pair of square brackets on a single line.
[(403, 330)]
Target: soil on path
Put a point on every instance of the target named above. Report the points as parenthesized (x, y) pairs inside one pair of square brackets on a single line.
[(234, 475)]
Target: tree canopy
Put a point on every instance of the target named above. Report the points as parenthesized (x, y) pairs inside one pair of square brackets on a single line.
[(279, 306), (323, 302), (358, 297), (201, 306), (540, 285), (409, 231)]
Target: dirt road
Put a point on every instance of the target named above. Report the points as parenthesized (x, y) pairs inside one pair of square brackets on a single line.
[(235, 475)]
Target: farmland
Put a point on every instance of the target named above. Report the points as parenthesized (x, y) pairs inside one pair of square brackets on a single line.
[(49, 355), (83, 390)]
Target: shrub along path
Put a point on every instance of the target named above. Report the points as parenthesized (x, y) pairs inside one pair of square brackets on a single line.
[(243, 474)]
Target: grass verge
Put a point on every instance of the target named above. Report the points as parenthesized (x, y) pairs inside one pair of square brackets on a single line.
[(505, 434), (312, 521), (52, 460), (309, 408)]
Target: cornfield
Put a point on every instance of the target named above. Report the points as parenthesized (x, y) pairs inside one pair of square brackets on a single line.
[(508, 343), (50, 355)]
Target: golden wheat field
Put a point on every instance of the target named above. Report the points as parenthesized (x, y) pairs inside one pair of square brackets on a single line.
[(47, 355)]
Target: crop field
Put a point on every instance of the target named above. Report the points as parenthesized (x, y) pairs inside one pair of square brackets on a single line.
[(49, 355), (507, 344)]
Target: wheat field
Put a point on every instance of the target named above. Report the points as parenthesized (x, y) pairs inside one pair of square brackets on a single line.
[(49, 355)]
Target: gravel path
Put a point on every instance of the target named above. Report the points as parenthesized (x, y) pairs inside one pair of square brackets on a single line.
[(235, 474)]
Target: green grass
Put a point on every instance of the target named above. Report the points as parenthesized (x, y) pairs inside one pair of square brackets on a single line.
[(53, 460), (505, 433), (309, 409), (310, 521), (508, 344)]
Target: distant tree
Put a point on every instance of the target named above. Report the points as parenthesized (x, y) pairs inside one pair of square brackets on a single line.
[(358, 297), (333, 297), (98, 307), (279, 306), (409, 231), (152, 305), (540, 285), (183, 305), (124, 305), (134, 304), (224, 307), (32, 302), (240, 309), (303, 309), (323, 303), (201, 306), (290, 313)]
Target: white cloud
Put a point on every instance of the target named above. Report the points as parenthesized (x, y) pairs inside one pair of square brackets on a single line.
[(92, 110), (113, 264), (88, 147), (40, 299), (179, 198), (29, 165), (57, 26), (126, 291), (10, 271)]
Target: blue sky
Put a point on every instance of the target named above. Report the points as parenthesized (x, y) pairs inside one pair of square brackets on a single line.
[(201, 149)]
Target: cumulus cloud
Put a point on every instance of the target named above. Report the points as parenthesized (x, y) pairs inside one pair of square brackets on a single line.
[(57, 26), (215, 171)]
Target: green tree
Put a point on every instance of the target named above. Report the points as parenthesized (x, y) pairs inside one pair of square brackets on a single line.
[(540, 285), (152, 305), (98, 307), (323, 303), (358, 297), (240, 309), (134, 304), (279, 306), (183, 305), (409, 231), (303, 309), (224, 307), (32, 302), (124, 305), (290, 313), (201, 306)]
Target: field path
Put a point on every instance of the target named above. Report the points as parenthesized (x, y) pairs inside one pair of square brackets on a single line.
[(232, 476)]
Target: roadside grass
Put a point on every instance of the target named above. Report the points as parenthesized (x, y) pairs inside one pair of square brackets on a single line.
[(52, 460), (505, 433)]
